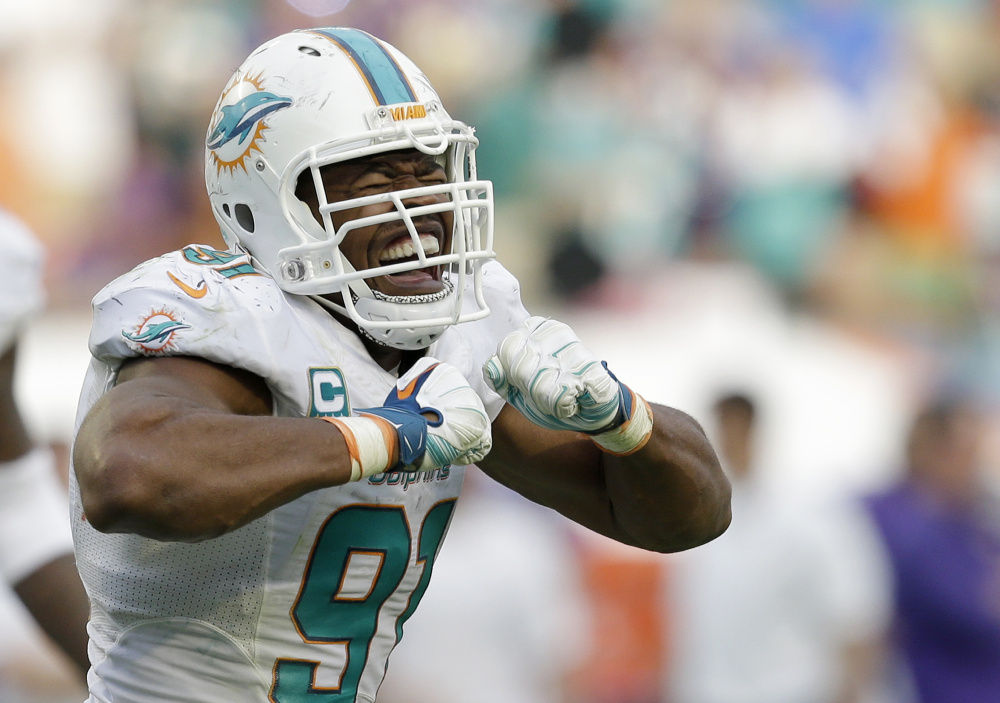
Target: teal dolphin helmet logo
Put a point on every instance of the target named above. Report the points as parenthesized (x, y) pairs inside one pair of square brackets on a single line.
[(238, 124), (239, 119)]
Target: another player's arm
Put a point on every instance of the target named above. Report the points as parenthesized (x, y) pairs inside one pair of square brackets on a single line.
[(52, 591), (56, 599), (669, 496), (185, 449)]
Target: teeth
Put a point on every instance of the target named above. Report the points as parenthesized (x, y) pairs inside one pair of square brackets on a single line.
[(402, 251)]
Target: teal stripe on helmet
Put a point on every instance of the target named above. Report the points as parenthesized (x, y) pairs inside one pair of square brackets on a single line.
[(385, 78)]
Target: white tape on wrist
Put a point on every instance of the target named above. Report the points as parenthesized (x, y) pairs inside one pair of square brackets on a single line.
[(34, 515), (371, 442), (632, 435)]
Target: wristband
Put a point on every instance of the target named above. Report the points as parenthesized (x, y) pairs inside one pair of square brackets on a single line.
[(372, 442), (34, 515), (631, 435)]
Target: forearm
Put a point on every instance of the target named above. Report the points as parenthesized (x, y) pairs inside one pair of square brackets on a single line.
[(14, 438), (184, 449), (55, 598), (559, 470), (647, 476), (36, 550), (171, 471), (670, 495)]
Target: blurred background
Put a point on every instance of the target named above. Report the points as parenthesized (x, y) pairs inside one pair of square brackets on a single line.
[(793, 201)]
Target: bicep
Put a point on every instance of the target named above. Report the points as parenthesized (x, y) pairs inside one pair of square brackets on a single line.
[(183, 449), (194, 380), (150, 392), (148, 433)]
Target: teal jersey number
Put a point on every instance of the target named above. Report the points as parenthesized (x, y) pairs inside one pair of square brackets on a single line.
[(322, 618)]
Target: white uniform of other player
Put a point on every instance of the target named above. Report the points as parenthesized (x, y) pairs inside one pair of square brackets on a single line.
[(307, 602), (21, 291), (33, 525)]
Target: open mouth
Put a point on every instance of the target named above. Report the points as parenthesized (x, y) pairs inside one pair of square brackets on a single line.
[(402, 250), (415, 281)]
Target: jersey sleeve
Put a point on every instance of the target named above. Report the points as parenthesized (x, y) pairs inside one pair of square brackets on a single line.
[(197, 302), (21, 265)]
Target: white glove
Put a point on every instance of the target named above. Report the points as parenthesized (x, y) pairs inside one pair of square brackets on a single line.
[(547, 373), (431, 419)]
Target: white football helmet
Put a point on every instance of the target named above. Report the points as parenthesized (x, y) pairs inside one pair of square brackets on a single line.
[(315, 97)]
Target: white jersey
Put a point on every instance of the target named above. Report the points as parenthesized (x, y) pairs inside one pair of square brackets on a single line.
[(307, 602), (21, 291)]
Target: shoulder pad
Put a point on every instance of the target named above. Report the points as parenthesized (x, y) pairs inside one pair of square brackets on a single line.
[(197, 301)]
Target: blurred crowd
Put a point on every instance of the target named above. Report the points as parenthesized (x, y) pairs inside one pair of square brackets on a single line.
[(675, 177), (846, 149)]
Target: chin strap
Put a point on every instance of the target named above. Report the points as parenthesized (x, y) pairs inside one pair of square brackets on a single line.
[(391, 340), (445, 291)]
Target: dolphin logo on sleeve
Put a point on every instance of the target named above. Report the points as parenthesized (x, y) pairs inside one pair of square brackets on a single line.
[(156, 332)]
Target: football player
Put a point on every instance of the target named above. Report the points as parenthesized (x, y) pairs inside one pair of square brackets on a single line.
[(36, 550), (273, 437)]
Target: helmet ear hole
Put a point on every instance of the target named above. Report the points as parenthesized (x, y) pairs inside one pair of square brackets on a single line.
[(244, 216)]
